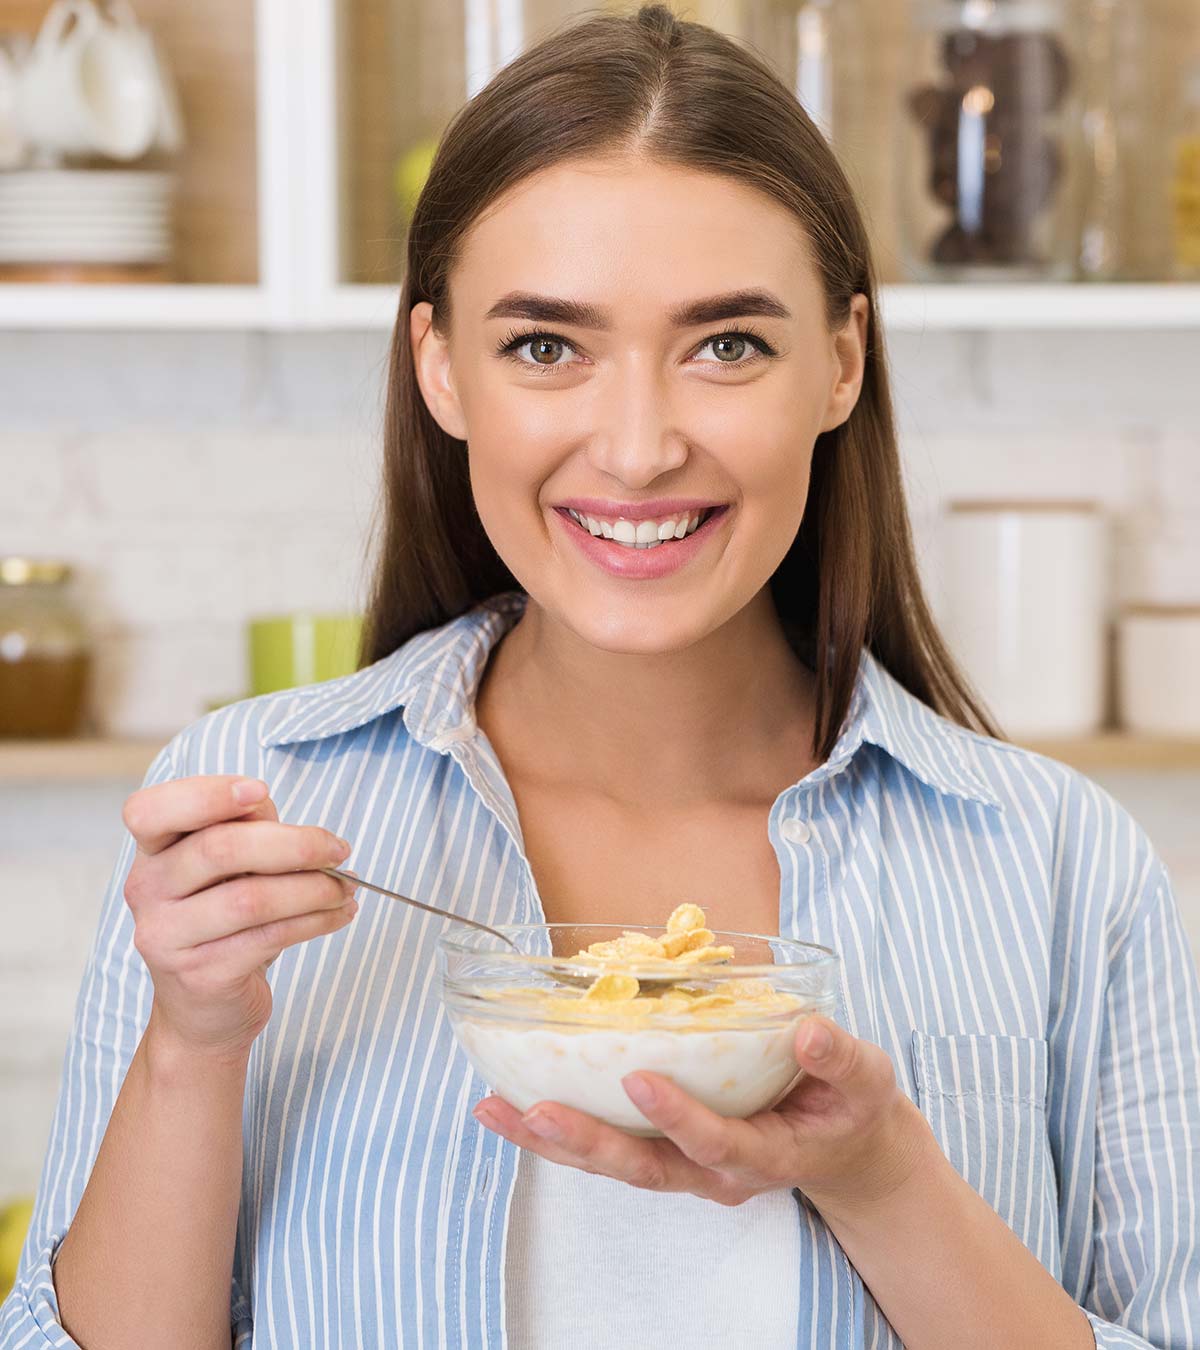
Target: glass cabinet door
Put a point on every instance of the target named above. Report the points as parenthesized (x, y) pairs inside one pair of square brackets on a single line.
[(198, 204), (406, 66)]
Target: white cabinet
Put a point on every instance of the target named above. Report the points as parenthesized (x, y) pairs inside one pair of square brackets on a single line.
[(299, 112)]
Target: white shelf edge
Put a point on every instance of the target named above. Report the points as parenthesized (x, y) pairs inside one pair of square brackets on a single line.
[(916, 309), (905, 308), (913, 308), (138, 306)]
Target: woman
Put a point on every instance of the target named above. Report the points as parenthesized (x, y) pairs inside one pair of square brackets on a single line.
[(638, 290)]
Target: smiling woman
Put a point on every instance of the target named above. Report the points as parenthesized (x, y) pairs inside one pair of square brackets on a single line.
[(647, 637), (696, 300)]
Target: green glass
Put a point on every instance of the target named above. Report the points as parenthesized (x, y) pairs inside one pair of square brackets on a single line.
[(293, 649)]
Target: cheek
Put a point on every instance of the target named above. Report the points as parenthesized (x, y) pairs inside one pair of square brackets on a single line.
[(507, 474)]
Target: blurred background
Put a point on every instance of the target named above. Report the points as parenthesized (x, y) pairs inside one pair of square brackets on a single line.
[(202, 223)]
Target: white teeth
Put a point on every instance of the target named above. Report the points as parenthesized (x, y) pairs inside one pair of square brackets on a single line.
[(637, 534)]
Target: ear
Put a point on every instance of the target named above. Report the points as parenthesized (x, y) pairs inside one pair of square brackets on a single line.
[(431, 364), (850, 355)]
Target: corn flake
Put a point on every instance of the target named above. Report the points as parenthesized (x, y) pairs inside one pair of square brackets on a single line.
[(613, 988), (685, 918)]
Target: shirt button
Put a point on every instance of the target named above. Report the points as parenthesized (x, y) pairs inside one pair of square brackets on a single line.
[(796, 831)]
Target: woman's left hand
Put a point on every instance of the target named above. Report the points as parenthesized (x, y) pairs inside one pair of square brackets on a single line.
[(845, 1135)]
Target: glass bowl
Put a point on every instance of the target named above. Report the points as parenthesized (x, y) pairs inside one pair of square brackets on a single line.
[(530, 1049)]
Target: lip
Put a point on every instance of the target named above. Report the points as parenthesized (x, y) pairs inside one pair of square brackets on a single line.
[(642, 564), (660, 509)]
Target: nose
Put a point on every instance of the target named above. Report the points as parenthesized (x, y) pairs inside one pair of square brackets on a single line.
[(638, 440)]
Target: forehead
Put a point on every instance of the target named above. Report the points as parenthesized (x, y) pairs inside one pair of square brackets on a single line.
[(632, 230)]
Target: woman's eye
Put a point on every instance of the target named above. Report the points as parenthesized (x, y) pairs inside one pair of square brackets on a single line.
[(545, 349), (732, 347)]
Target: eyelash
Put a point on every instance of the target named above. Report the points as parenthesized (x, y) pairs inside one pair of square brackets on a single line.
[(514, 340)]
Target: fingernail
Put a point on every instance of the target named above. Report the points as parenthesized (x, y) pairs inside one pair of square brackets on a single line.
[(542, 1125), (249, 790), (341, 847), (641, 1092), (816, 1041)]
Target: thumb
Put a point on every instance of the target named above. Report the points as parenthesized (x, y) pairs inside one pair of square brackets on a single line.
[(828, 1052)]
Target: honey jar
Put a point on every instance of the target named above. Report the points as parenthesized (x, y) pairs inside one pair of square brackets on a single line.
[(45, 655)]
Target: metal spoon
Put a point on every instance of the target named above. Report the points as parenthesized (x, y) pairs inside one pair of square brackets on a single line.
[(582, 980), (419, 904)]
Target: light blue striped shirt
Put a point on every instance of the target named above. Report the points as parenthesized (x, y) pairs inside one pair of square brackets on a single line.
[(1009, 936)]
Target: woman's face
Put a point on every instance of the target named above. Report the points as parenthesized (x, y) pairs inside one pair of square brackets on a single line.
[(636, 408)]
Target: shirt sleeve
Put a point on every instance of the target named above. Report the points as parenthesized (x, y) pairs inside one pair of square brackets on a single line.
[(1144, 1289), (111, 1013)]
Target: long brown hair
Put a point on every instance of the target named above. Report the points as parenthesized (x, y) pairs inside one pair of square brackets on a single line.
[(682, 94)]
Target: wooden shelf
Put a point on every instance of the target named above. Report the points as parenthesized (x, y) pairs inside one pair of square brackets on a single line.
[(97, 760), (76, 761), (1116, 752)]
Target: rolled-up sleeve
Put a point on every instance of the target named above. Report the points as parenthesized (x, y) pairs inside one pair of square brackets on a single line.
[(1144, 1288), (111, 1013)]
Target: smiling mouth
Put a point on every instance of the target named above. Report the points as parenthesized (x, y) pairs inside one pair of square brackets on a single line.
[(642, 534)]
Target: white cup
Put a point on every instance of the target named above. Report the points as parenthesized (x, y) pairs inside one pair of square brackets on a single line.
[(13, 147), (1159, 670), (1026, 610), (90, 84)]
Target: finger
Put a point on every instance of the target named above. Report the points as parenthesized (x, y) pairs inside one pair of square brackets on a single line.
[(828, 1052), (504, 1119), (651, 1164), (263, 810), (709, 1140), (231, 957), (237, 847), (249, 902), (159, 815)]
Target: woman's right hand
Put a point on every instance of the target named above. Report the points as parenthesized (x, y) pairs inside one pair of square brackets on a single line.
[(218, 889)]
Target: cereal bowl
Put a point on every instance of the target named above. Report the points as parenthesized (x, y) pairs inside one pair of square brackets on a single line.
[(722, 1028)]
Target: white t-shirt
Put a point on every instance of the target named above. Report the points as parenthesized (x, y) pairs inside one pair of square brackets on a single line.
[(594, 1264)]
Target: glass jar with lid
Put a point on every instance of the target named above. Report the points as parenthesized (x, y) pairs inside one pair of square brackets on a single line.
[(45, 655), (992, 140)]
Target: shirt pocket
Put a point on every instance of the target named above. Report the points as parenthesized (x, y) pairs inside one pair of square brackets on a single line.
[(985, 1100)]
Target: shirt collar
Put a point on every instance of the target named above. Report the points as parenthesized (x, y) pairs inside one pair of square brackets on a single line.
[(433, 678)]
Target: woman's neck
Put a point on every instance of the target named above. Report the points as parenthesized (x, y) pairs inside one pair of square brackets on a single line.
[(728, 719)]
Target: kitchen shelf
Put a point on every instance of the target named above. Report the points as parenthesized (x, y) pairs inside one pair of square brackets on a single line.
[(1116, 752), (133, 307), (905, 308), (912, 309), (76, 761), (915, 309), (96, 760)]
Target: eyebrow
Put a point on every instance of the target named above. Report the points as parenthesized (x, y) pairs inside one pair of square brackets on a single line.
[(581, 314)]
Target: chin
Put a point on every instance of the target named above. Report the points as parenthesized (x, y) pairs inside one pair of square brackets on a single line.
[(627, 626)]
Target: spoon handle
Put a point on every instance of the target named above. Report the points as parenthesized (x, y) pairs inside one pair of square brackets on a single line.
[(419, 904)]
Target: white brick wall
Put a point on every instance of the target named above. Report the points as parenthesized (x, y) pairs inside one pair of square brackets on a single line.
[(201, 479)]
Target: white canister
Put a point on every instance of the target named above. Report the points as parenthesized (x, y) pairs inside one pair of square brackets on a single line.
[(1026, 586), (1159, 670)]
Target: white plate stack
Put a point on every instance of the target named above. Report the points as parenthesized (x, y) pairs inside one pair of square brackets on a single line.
[(108, 216)]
